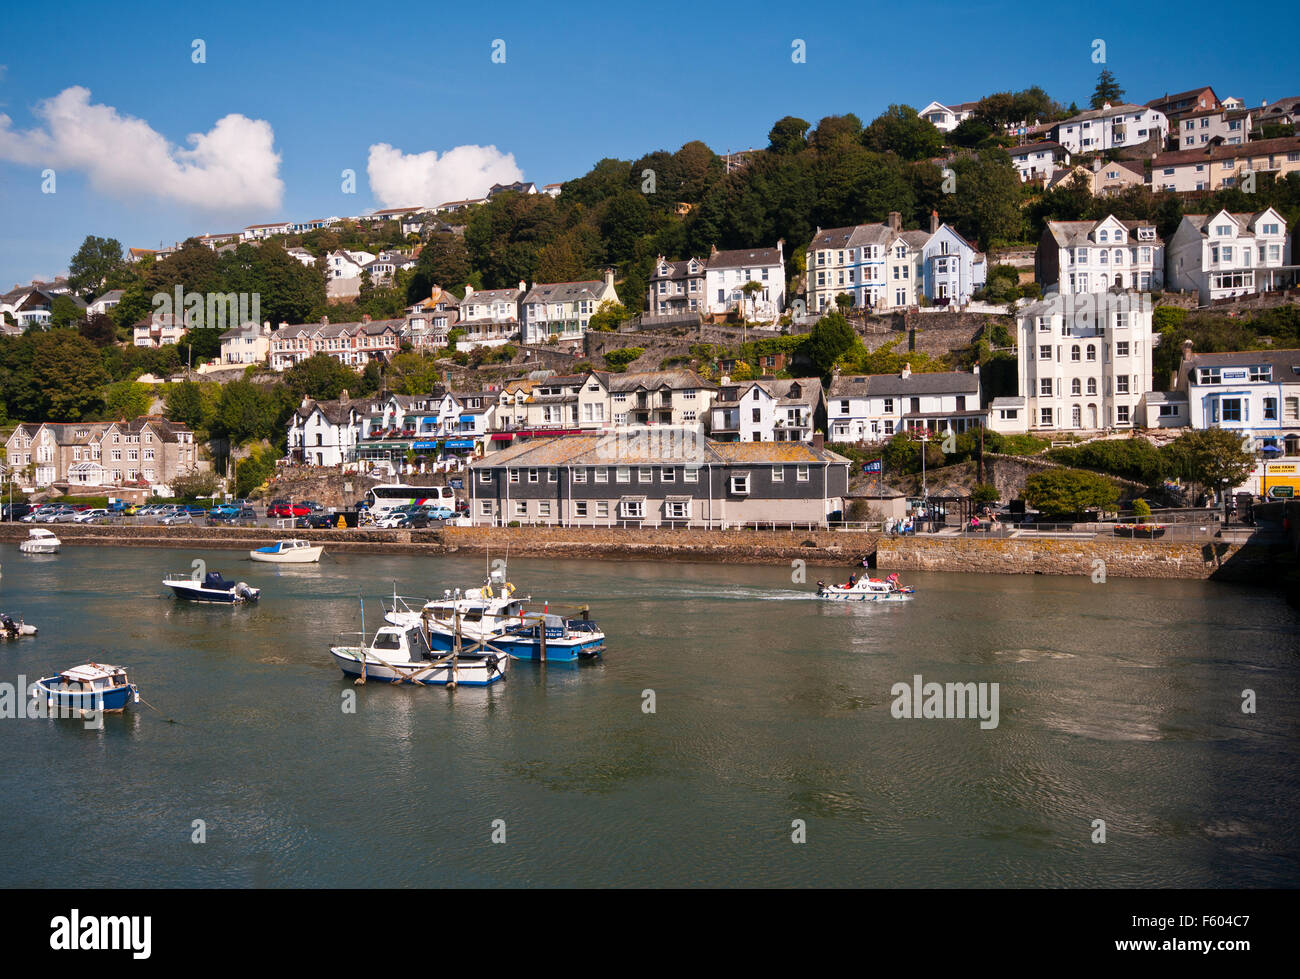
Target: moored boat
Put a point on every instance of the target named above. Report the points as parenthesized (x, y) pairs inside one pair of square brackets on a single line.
[(9, 629), (89, 687), (401, 654), (40, 541), (211, 588), (866, 589), (288, 552)]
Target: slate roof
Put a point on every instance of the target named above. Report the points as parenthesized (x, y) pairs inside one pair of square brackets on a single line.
[(652, 381), (1226, 151), (564, 292), (744, 258), (335, 412), (338, 329), (603, 450), (810, 390), (1285, 363), (1039, 147), (895, 385), (1070, 233)]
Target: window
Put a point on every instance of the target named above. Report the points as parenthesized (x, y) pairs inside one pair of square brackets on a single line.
[(645, 474), (1092, 385), (485, 475), (1121, 414), (579, 508), (691, 474), (485, 507), (1231, 409), (543, 508), (889, 406), (1291, 409), (1270, 409), (1168, 411), (1121, 348), (1044, 387), (1121, 384), (668, 474), (844, 407), (1076, 388), (634, 509), (801, 474), (778, 474), (1074, 353), (1045, 352), (1045, 417), (602, 508), (623, 474), (740, 485), (580, 474), (602, 474), (1092, 352), (521, 508), (552, 475)]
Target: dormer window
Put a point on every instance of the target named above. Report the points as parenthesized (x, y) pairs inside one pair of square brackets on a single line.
[(1101, 235)]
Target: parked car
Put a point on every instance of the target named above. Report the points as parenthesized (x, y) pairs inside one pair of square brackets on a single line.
[(176, 517), (273, 508), (435, 511), (132, 510), (15, 511), (97, 515), (117, 506), (55, 514)]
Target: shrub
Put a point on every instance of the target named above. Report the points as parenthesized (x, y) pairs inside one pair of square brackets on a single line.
[(1068, 492), (985, 493), (1141, 510), (617, 360)]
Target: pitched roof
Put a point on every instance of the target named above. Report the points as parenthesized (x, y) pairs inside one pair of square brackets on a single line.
[(744, 258), (652, 380), (1227, 151), (894, 385), (1070, 233), (1038, 147), (559, 292), (1285, 363), (779, 389), (1122, 108), (612, 448)]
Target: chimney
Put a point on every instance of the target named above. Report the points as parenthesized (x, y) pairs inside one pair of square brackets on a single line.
[(344, 397), (907, 371), (780, 249), (895, 221), (609, 277), (324, 321), (521, 286), (934, 221), (365, 317), (819, 441), (713, 250), (283, 324), (469, 290), (976, 369)]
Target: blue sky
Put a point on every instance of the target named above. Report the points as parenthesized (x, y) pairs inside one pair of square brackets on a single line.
[(579, 82)]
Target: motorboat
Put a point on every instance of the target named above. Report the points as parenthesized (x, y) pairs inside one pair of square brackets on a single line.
[(402, 654), (212, 587), (483, 612), (544, 636), (90, 687), (40, 541), (866, 589), (288, 552), (9, 629)]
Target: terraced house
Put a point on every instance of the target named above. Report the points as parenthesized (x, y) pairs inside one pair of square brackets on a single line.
[(1222, 255), (1217, 166), (879, 265), (353, 344), (610, 480), (146, 452), (1094, 256), (489, 317), (876, 407), (768, 410), (560, 311)]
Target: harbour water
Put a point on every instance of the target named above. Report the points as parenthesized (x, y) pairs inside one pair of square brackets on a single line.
[(1119, 701)]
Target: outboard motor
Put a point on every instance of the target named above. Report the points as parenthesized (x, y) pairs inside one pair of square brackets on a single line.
[(243, 591)]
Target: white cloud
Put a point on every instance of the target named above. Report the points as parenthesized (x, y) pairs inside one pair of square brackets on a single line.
[(400, 179), (231, 167)]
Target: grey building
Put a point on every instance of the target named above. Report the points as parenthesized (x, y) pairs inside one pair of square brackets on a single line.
[(657, 478)]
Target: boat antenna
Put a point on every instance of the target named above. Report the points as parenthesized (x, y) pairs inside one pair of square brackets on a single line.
[(362, 600)]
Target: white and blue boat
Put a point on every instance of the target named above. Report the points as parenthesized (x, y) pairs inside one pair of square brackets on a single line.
[(89, 688), (866, 589), (211, 588), (288, 552), (545, 637), (402, 654)]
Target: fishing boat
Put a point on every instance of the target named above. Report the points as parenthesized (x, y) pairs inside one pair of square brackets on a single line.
[(89, 687), (40, 541), (288, 552), (552, 638), (9, 629), (401, 654), (211, 588), (866, 589)]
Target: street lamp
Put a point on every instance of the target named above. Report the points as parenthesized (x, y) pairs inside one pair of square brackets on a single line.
[(925, 441)]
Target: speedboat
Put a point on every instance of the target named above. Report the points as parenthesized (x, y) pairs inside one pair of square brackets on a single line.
[(9, 629), (402, 654), (211, 588), (90, 687), (40, 541), (288, 552), (866, 589)]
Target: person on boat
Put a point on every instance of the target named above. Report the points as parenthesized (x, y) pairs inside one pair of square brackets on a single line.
[(853, 580), (8, 624)]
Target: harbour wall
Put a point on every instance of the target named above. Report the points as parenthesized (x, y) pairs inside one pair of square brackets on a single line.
[(1120, 558)]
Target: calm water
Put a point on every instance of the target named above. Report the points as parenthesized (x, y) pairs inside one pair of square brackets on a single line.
[(1118, 701)]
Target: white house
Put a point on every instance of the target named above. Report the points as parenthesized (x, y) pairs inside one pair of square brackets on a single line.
[(951, 268), (946, 118), (727, 273), (768, 410), (1224, 255), (875, 407), (247, 343), (1255, 393), (879, 265), (258, 232), (1038, 161), (1094, 256), (324, 433), (105, 302), (302, 255), (1111, 127), (1084, 360)]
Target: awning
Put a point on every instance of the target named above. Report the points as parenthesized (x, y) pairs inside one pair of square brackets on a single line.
[(634, 499), (467, 419), (424, 445), (678, 499), (502, 438), (459, 444)]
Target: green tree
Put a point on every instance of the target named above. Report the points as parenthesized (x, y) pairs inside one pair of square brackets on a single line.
[(832, 336), (1107, 90), (96, 261), (252, 472), (127, 399), (320, 377), (244, 412), (444, 261), (900, 130), (65, 312), (68, 369), (608, 316), (618, 360), (1069, 492), (986, 205), (985, 493), (184, 403), (788, 135), (99, 329), (1212, 458)]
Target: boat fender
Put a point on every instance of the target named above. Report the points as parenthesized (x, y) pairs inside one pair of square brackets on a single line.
[(491, 662), (487, 591), (509, 589)]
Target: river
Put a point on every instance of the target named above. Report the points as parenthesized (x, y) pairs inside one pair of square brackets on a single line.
[(772, 723)]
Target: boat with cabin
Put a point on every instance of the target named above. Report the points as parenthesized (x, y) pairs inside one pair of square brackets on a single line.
[(40, 541), (866, 589), (288, 552), (88, 688), (212, 587), (402, 654)]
